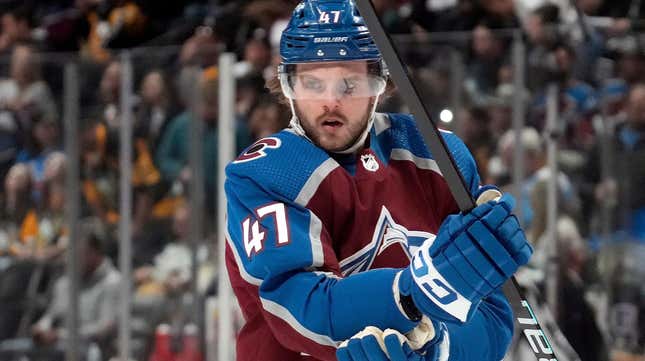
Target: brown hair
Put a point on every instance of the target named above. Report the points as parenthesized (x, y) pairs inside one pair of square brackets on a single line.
[(273, 85)]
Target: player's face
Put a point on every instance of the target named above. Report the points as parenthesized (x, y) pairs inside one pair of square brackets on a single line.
[(336, 116)]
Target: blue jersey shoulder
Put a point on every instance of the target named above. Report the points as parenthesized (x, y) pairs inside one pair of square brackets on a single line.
[(400, 131), (280, 164)]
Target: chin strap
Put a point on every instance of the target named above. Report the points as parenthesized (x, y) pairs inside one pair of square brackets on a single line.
[(295, 125)]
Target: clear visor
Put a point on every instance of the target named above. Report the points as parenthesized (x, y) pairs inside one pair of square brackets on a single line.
[(330, 82)]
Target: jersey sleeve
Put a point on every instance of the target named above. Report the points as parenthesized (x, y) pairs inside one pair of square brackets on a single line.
[(464, 161), (488, 333), (283, 249)]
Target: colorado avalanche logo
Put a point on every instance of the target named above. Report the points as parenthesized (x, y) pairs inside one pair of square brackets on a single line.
[(257, 150), (386, 233)]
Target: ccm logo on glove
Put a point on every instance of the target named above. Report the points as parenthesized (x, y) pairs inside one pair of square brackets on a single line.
[(435, 287)]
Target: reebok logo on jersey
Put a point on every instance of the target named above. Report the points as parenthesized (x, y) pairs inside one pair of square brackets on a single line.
[(331, 39)]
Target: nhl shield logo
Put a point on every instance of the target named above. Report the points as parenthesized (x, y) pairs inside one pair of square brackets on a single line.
[(369, 162)]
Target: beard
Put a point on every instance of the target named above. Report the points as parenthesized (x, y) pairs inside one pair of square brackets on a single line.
[(356, 130)]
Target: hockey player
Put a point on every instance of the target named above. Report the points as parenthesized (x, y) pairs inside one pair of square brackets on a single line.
[(343, 220)]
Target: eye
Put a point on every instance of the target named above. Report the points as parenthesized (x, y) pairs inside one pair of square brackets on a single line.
[(349, 86), (311, 83)]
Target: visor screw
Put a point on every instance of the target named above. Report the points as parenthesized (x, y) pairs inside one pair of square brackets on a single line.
[(342, 52), (320, 53)]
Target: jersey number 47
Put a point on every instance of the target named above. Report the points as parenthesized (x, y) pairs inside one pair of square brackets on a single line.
[(254, 234)]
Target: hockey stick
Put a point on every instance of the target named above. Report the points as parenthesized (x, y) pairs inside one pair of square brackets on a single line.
[(525, 319)]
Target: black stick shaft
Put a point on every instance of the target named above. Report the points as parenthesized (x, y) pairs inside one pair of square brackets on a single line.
[(525, 320)]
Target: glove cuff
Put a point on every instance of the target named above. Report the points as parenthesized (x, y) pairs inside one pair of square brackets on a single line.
[(403, 298)]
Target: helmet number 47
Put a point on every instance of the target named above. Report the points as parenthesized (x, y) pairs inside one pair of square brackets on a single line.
[(324, 17)]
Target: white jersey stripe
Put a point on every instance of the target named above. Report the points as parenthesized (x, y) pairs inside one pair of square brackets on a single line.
[(381, 123), (284, 314), (422, 163), (315, 229), (312, 184)]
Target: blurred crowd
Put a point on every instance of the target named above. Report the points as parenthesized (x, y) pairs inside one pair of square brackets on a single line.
[(593, 54)]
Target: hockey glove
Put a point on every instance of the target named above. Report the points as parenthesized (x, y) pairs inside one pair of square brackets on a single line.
[(422, 343), (472, 255)]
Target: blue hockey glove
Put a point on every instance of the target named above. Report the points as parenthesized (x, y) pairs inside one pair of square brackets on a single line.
[(472, 255), (372, 344)]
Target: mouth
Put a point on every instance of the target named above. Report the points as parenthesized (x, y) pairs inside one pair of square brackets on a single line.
[(332, 124)]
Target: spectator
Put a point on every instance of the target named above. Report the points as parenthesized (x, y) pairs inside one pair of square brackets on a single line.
[(267, 117), (163, 286), (17, 206), (475, 132), (41, 143), (17, 185), (173, 153), (541, 27), (622, 316), (580, 92), (43, 231), (16, 27), (170, 272), (111, 24), (10, 140), (257, 56), (99, 173), (575, 313), (36, 243), (109, 90), (625, 168), (146, 178), (612, 97), (533, 190), (631, 62), (248, 91), (154, 113), (201, 49), (24, 90), (156, 109), (484, 64), (577, 101), (500, 111), (98, 305)]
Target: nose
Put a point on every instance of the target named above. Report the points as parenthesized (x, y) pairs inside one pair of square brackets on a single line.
[(331, 94), (331, 99), (329, 105)]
